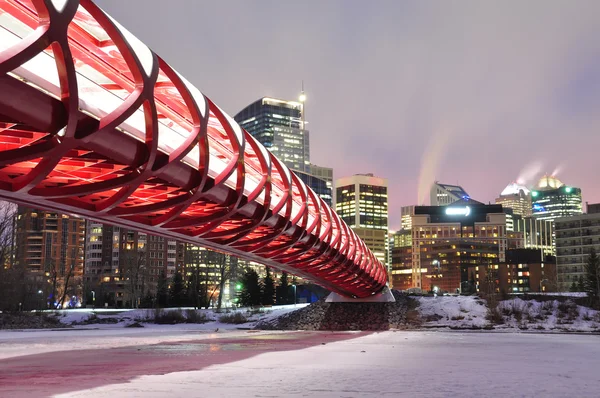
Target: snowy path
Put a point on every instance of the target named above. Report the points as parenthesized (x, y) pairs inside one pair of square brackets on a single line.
[(296, 364)]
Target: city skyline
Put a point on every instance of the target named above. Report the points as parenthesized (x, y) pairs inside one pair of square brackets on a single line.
[(407, 91)]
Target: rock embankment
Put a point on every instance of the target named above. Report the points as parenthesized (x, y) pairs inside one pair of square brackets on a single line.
[(348, 316), (25, 320)]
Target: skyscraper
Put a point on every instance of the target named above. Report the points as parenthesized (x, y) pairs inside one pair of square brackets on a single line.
[(445, 194), (362, 202), (322, 182), (320, 186), (279, 126), (516, 197), (552, 199), (406, 214)]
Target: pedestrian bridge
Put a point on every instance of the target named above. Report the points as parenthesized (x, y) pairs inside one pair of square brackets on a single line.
[(93, 123)]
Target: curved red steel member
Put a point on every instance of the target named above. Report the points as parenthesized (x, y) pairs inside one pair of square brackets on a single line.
[(93, 123)]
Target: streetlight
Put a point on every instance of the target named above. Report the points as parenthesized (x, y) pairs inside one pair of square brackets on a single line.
[(294, 295), (437, 265), (93, 300), (542, 281)]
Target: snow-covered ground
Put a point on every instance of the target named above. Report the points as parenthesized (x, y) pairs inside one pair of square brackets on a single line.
[(126, 317), (452, 311), (294, 364), (548, 316), (470, 312)]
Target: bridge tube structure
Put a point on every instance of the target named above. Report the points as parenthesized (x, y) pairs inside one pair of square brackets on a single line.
[(93, 123)]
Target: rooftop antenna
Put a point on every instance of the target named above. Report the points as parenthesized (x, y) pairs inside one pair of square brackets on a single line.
[(302, 100)]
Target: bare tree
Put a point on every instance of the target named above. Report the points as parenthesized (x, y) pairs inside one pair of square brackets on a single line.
[(133, 271), (65, 280), (7, 233)]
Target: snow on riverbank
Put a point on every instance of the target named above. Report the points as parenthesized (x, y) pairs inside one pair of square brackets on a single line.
[(471, 312), (548, 315), (452, 311), (90, 318)]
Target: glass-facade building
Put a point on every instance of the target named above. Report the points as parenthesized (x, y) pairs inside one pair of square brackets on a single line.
[(279, 127), (321, 187), (362, 202), (553, 199)]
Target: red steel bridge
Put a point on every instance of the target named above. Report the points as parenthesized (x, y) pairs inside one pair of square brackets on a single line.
[(93, 123)]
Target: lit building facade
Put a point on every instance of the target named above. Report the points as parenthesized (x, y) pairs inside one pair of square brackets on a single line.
[(575, 237), (122, 265), (401, 260), (50, 247), (445, 194), (362, 202), (537, 234), (552, 199), (525, 270), (516, 197), (448, 242), (279, 126), (406, 213), (204, 270)]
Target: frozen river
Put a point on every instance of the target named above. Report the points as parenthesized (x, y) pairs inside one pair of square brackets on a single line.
[(178, 361)]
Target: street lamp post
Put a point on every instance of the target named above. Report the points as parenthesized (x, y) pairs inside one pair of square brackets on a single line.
[(294, 295), (542, 281), (93, 300), (437, 265)]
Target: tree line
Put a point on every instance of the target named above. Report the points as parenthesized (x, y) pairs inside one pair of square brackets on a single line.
[(254, 291)]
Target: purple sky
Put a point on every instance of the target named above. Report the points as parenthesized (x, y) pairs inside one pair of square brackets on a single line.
[(475, 92)]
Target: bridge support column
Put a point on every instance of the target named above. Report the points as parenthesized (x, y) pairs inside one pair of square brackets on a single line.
[(384, 296)]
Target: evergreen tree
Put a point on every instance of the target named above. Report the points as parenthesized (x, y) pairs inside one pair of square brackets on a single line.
[(574, 287), (473, 284), (268, 291), (592, 275), (283, 289), (250, 293), (162, 291), (147, 300), (177, 291), (580, 284)]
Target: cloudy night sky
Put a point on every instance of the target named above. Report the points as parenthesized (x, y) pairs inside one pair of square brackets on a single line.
[(479, 93)]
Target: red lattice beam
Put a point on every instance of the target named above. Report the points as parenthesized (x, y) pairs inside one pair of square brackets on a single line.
[(94, 123)]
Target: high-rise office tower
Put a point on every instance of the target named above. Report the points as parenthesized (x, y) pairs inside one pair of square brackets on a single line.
[(552, 199), (49, 246), (324, 173), (445, 194), (516, 197), (406, 214), (321, 187), (362, 202), (279, 126), (322, 182)]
